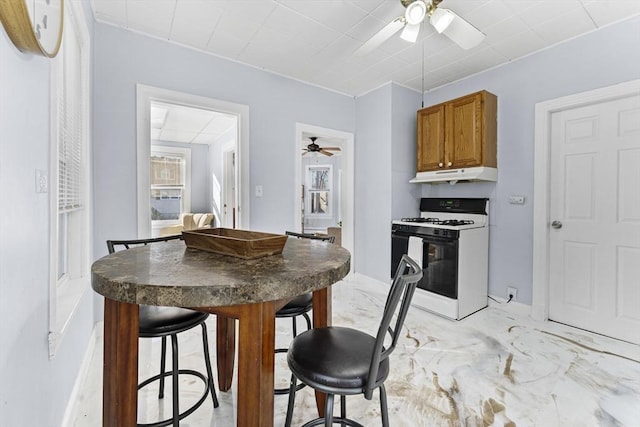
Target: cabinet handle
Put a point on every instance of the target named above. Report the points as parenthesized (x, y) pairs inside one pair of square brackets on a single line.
[(440, 164), (449, 164)]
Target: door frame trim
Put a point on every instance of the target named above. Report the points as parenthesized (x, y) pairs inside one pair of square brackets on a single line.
[(144, 95), (541, 182), (347, 191)]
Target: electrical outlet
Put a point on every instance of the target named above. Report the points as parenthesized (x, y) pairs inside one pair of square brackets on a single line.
[(512, 294)]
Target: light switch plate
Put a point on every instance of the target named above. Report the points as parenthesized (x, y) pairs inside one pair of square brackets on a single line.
[(516, 200), (42, 181)]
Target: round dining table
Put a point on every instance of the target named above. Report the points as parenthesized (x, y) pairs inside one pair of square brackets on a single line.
[(247, 290)]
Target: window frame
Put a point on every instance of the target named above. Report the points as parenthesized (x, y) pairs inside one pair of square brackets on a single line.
[(67, 291), (309, 190), (185, 153)]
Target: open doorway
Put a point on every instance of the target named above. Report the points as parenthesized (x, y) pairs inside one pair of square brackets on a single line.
[(206, 131), (324, 183)]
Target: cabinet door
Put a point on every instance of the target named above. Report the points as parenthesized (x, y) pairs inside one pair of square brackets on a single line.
[(464, 137), (431, 133)]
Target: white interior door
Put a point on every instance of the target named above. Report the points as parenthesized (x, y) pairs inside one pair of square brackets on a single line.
[(228, 190), (594, 242)]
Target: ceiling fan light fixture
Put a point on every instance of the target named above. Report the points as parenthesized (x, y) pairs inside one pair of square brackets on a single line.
[(441, 19), (410, 33), (415, 12)]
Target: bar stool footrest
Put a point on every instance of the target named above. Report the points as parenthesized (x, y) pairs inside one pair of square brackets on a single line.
[(189, 411)]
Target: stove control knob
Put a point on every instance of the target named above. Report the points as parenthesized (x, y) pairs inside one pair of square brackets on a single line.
[(556, 224), (440, 164), (449, 164)]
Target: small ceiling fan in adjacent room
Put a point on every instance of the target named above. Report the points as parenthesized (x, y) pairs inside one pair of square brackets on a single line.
[(445, 21), (315, 148)]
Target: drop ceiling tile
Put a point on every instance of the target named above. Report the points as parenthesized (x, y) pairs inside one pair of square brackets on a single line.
[(294, 24), (604, 12), (368, 5), (152, 16), (389, 65), (177, 135), (220, 124), (226, 45), (195, 21), (505, 29), (546, 10), (482, 59), (514, 47), (565, 26), (155, 134), (114, 11), (205, 138), (187, 118), (337, 14), (489, 14)]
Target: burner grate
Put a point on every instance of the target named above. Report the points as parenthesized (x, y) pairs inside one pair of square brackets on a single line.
[(437, 221)]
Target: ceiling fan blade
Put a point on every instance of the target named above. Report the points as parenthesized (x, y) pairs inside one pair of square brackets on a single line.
[(462, 32), (326, 153), (332, 148), (305, 152), (381, 36)]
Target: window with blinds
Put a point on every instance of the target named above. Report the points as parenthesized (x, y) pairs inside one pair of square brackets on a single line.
[(70, 226)]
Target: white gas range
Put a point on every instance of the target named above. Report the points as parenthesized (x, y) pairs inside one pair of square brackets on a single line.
[(450, 239)]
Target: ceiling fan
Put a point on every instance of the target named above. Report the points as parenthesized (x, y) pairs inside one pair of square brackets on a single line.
[(444, 21), (315, 148)]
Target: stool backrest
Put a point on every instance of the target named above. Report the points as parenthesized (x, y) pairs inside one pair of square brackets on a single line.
[(405, 280), (127, 244), (329, 239)]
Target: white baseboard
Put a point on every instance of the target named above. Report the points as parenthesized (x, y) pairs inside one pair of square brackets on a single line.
[(513, 307), (70, 413)]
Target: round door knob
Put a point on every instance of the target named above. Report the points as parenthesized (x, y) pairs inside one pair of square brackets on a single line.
[(440, 165), (556, 224), (449, 164)]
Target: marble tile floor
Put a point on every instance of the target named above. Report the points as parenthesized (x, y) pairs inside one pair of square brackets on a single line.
[(493, 368)]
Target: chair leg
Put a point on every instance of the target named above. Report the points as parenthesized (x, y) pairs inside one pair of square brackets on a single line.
[(308, 320), (295, 326), (328, 410), (207, 362), (163, 361), (383, 406), (174, 376), (292, 398), (343, 408)]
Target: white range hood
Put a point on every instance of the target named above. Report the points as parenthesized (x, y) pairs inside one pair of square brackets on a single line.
[(480, 173)]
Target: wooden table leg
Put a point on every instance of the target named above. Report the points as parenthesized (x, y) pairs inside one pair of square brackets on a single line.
[(255, 364), (120, 367), (226, 350), (321, 317)]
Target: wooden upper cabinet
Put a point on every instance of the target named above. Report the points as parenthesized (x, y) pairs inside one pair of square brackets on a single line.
[(458, 134), (431, 127)]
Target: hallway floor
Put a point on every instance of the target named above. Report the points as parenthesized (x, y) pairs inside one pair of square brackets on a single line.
[(492, 368)]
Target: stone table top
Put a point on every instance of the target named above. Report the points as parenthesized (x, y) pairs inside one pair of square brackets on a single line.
[(170, 274)]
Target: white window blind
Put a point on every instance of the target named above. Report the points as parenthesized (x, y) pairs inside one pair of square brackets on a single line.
[(70, 105)]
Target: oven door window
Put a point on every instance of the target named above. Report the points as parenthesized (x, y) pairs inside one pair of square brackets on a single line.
[(440, 267)]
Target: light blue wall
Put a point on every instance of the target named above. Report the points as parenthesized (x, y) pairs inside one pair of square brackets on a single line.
[(385, 162), (602, 58), (405, 197), (276, 104), (33, 389)]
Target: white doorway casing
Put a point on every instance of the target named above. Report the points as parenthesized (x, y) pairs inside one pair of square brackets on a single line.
[(347, 191), (144, 96), (544, 268)]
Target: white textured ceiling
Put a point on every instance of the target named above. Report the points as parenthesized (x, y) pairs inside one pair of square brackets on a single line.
[(178, 123), (314, 40)]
